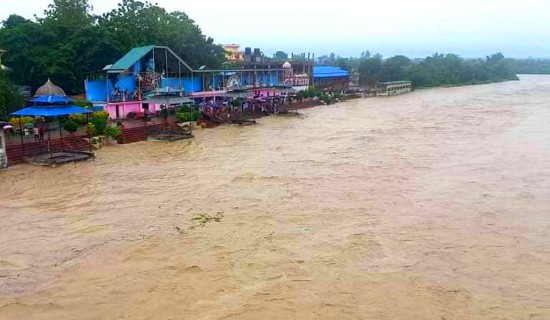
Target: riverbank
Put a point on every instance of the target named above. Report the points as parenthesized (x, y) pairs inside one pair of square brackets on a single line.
[(401, 208)]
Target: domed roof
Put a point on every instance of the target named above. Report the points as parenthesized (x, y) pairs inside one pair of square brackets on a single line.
[(49, 89), (287, 65)]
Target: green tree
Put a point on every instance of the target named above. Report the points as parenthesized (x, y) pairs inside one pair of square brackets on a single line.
[(370, 69), (394, 68), (10, 100), (70, 41), (135, 23), (280, 55)]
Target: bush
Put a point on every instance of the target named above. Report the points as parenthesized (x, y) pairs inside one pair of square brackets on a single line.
[(100, 124), (80, 119), (184, 109), (90, 129), (184, 117), (113, 132), (70, 126), (196, 115), (83, 104), (15, 121), (101, 114)]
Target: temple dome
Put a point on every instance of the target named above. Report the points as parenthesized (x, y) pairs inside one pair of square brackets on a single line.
[(49, 89), (287, 65)]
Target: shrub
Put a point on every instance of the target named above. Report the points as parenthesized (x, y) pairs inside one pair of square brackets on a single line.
[(100, 124), (79, 118), (15, 121), (184, 117), (90, 129), (70, 126), (184, 109), (101, 114), (196, 115), (83, 104), (113, 132)]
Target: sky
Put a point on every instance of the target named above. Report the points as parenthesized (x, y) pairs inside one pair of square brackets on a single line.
[(470, 28)]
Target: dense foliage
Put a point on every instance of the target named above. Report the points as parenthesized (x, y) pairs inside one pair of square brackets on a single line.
[(113, 132), (70, 42), (531, 66), (433, 71), (188, 113), (10, 100), (70, 126)]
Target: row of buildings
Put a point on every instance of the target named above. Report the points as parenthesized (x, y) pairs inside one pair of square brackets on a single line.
[(135, 82)]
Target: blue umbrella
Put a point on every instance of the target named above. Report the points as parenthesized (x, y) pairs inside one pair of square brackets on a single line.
[(51, 111), (52, 99)]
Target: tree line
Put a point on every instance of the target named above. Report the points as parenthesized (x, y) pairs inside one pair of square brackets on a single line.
[(531, 66), (433, 71), (70, 41)]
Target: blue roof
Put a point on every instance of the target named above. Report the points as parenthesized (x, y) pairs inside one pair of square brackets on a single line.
[(51, 111), (52, 98), (329, 72), (130, 58)]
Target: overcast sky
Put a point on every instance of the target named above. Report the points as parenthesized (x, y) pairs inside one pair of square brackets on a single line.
[(471, 28)]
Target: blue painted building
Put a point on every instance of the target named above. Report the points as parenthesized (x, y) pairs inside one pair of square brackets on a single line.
[(128, 85)]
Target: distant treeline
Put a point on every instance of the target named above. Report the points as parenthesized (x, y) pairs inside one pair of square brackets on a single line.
[(433, 71), (531, 66)]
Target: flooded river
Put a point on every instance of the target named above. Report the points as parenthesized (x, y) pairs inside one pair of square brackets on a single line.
[(432, 205)]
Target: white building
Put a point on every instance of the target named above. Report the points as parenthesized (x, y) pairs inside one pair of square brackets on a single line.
[(393, 88)]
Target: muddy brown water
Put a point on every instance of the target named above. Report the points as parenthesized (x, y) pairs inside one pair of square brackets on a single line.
[(432, 205)]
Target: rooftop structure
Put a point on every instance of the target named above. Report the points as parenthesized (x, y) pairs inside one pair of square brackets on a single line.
[(330, 77), (49, 89), (233, 52), (129, 85)]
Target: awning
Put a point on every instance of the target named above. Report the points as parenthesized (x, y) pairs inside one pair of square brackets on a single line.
[(50, 111)]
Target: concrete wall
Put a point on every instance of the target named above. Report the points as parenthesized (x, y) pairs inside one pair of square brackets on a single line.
[(3, 152)]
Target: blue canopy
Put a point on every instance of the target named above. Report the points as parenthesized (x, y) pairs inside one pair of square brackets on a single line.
[(51, 111), (52, 98)]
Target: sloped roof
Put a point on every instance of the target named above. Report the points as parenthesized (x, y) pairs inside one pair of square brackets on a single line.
[(48, 89), (130, 58), (134, 55), (328, 72)]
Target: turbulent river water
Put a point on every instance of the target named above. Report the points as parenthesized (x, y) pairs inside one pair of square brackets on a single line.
[(431, 205)]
